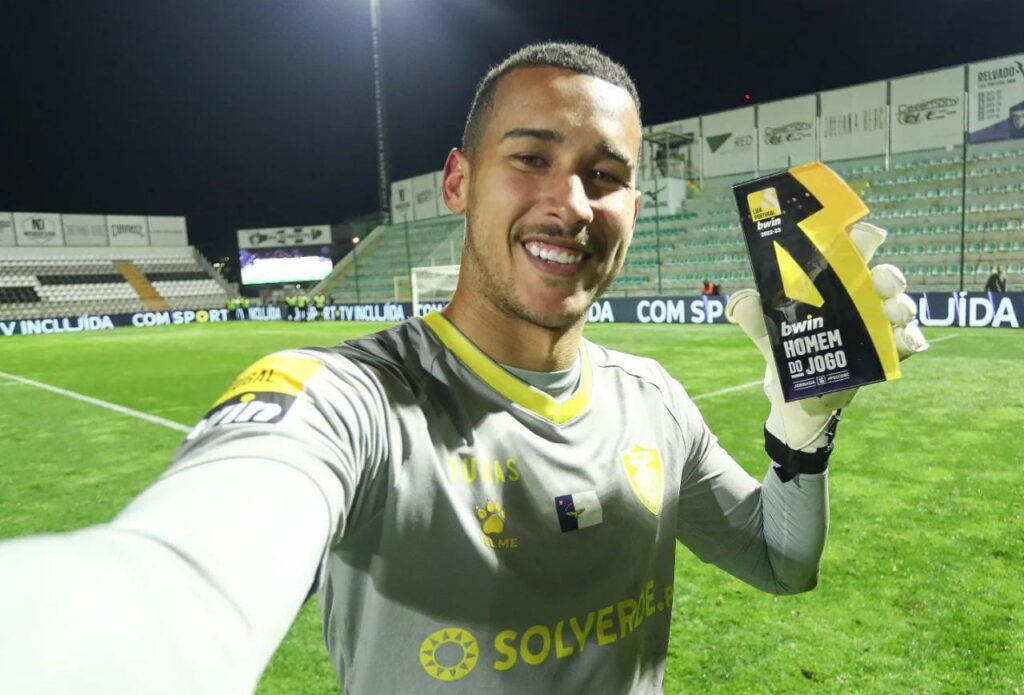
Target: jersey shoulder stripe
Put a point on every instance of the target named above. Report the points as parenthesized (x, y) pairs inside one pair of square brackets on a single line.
[(284, 373)]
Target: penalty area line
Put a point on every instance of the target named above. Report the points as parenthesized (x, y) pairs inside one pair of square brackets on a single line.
[(730, 389), (751, 384), (155, 419)]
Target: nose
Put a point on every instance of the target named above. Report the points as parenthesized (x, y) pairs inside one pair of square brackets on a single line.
[(569, 203)]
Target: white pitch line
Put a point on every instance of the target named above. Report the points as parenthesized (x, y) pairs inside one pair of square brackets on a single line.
[(96, 401), (730, 389), (751, 384), (182, 428)]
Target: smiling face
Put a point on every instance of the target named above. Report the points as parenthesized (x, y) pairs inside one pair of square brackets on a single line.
[(548, 194)]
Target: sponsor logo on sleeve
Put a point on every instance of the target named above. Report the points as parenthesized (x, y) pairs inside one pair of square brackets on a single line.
[(261, 394)]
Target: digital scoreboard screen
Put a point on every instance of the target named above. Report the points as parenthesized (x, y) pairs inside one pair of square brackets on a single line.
[(285, 264)]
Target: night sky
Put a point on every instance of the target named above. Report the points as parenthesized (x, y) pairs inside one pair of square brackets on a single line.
[(260, 113)]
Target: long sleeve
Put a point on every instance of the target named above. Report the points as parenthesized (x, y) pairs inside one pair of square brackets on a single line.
[(770, 535), (192, 587)]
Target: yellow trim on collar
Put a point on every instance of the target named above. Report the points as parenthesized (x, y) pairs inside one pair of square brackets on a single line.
[(508, 385)]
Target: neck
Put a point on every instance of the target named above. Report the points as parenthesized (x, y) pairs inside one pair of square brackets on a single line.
[(511, 340)]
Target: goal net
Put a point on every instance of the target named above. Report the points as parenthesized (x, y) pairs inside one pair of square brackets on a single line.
[(434, 283)]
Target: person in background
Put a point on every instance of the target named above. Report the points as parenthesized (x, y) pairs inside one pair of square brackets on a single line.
[(710, 288), (996, 281), (236, 304)]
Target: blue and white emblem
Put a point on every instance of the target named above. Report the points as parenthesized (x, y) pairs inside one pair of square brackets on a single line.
[(579, 510)]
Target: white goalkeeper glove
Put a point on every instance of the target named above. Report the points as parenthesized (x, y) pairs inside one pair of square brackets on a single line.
[(807, 425)]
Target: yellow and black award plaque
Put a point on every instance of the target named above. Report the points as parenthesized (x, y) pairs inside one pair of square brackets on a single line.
[(824, 319)]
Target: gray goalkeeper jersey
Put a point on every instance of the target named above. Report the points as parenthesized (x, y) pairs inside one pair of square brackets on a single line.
[(488, 538)]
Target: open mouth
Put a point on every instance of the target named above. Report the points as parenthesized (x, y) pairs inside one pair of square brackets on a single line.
[(555, 256)]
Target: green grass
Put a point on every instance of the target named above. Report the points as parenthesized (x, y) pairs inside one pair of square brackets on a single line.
[(922, 584)]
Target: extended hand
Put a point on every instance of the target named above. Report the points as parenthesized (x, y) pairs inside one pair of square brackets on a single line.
[(804, 424)]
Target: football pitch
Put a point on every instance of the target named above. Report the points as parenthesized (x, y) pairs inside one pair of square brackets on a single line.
[(922, 582)]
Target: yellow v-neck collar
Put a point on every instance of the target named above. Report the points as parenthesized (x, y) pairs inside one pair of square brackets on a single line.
[(508, 385)]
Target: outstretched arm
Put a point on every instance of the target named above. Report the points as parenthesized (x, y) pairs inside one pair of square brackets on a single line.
[(192, 587)]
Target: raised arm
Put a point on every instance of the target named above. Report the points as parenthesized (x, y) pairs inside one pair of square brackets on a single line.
[(770, 535)]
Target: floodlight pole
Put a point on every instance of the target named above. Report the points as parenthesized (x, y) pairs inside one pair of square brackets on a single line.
[(657, 211), (963, 207), (657, 227), (408, 251), (355, 262), (383, 184)]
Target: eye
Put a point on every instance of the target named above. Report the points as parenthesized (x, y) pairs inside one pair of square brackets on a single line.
[(605, 177), (531, 160)]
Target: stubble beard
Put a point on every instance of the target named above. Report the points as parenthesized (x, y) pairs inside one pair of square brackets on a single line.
[(500, 291)]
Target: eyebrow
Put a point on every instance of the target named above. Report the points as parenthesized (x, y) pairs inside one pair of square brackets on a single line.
[(614, 153), (545, 135), (537, 133)]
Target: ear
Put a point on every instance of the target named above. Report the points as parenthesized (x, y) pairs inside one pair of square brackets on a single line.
[(455, 187)]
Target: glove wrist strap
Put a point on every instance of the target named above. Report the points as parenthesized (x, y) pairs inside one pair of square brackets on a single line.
[(792, 462)]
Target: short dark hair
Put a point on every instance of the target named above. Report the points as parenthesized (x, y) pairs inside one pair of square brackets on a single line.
[(577, 57)]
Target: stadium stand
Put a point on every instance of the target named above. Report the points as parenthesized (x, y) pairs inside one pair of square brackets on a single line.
[(40, 283), (918, 198), (379, 267), (950, 223)]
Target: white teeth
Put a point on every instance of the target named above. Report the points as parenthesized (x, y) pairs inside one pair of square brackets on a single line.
[(563, 256)]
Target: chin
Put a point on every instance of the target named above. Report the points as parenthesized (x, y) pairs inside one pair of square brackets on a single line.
[(558, 315)]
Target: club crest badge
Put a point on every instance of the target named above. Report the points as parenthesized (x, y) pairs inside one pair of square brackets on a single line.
[(646, 477)]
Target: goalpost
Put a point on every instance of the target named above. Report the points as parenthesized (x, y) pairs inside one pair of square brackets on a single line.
[(434, 283)]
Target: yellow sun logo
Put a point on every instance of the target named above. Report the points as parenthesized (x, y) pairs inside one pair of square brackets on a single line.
[(449, 654)]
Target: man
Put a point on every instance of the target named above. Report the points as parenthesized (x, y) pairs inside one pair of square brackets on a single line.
[(237, 305), (292, 302), (996, 281), (483, 500), (709, 288), (303, 311)]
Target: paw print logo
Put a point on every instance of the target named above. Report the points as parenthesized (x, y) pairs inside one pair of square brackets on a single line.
[(492, 517)]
